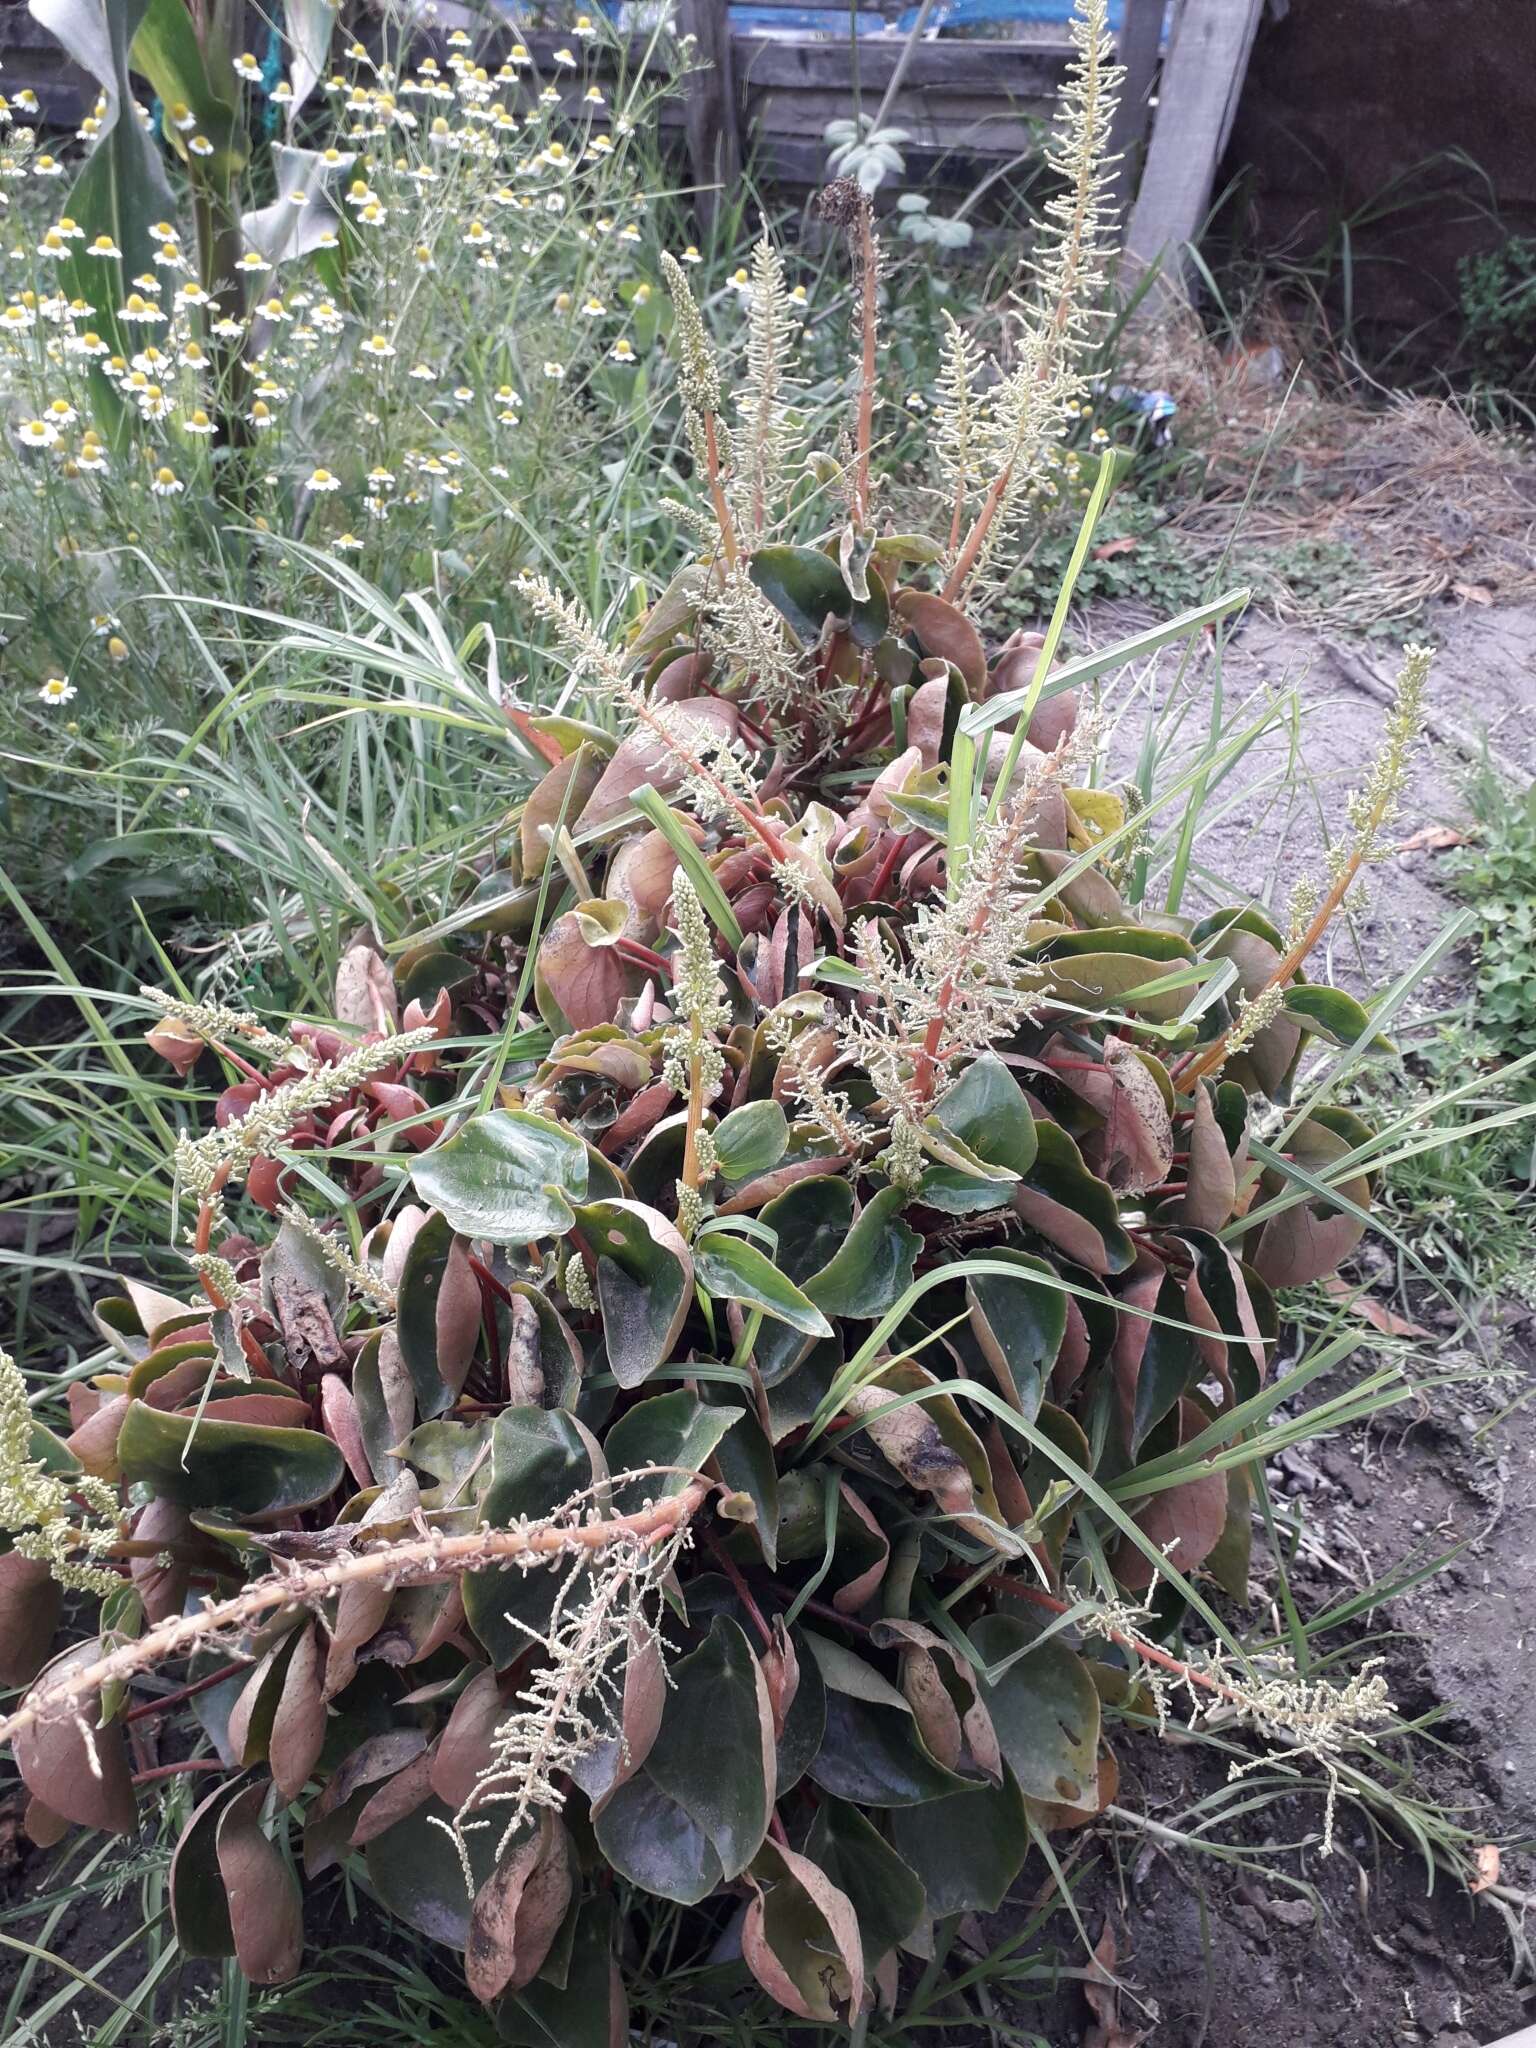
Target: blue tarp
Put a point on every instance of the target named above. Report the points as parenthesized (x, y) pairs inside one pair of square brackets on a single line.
[(948, 14)]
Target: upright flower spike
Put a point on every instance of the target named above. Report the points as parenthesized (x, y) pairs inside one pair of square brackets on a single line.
[(760, 404), (1068, 275), (699, 374), (694, 1064), (41, 1510)]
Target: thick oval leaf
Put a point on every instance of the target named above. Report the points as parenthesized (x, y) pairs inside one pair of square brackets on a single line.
[(1019, 1325), (696, 1812), (800, 1938), (243, 1467), (874, 1265), (540, 1457), (966, 1849), (1045, 1710), (886, 1894), (199, 1903), (807, 588), (728, 1268), (644, 1284), (943, 631), (587, 2007), (676, 1430), (518, 1911), (414, 1867), (751, 1139), (508, 1176), (265, 1911), (873, 1756), (31, 1601), (1071, 1207), (75, 1768), (1308, 1241), (437, 1321)]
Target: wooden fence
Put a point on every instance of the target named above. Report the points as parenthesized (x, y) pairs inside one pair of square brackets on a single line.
[(972, 108)]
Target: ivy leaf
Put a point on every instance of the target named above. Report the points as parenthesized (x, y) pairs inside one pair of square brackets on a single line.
[(508, 1176)]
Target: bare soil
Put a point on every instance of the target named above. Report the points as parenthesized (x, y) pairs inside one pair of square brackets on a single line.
[(1206, 1954)]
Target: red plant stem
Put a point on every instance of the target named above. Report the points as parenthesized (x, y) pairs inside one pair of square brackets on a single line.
[(891, 862), (866, 420), (167, 1700), (200, 1763), (716, 491), (1148, 1651), (776, 1829), (739, 1586), (643, 956), (251, 1073), (205, 1232)]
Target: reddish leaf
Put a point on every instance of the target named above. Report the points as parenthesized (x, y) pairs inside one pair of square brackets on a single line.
[(518, 1912), (1184, 1522), (79, 1770), (945, 632), (587, 982), (338, 1414), (1434, 839), (298, 1726), (365, 991), (1211, 1189), (30, 1604), (403, 1793), (1372, 1311), (642, 758), (265, 1911), (464, 1749)]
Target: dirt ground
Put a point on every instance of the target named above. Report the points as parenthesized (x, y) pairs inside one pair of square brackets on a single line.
[(1207, 1954)]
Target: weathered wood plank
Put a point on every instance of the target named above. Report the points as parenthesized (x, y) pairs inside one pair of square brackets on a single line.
[(1023, 70), (1202, 78), (711, 118)]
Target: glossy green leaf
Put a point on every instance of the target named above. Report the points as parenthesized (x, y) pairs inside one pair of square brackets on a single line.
[(644, 1284), (728, 1268), (243, 1467), (675, 1429), (1072, 1207), (695, 1813), (1045, 1710), (886, 1893), (873, 1756), (508, 1176), (588, 2007), (437, 1314), (1331, 1014), (874, 1264), (540, 1457), (414, 1867), (751, 1139), (1019, 1325), (966, 1849), (807, 587)]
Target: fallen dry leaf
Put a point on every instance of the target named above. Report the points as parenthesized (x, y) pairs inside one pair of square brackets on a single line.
[(1370, 1310), (1102, 1994), (1434, 839), (1473, 593), (1487, 1868), (1127, 544)]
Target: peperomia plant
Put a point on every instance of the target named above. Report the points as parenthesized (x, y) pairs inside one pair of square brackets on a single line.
[(740, 1435)]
